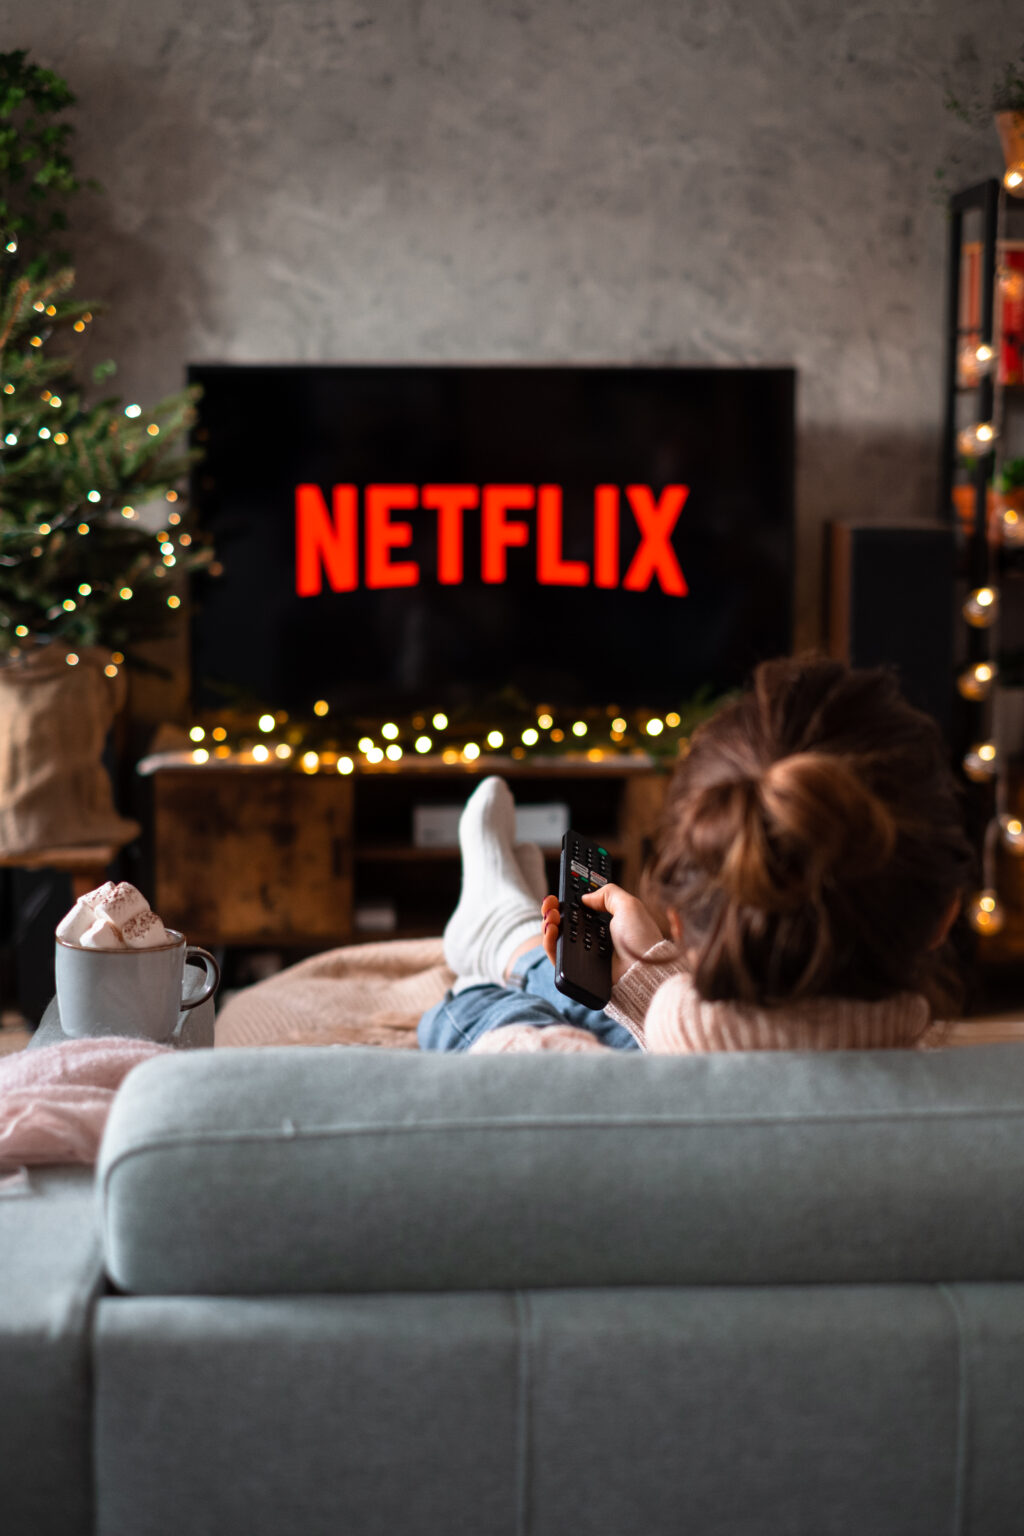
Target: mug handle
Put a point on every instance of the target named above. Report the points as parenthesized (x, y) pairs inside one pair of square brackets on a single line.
[(212, 976)]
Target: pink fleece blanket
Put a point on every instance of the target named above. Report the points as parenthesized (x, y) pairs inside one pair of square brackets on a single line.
[(54, 1102)]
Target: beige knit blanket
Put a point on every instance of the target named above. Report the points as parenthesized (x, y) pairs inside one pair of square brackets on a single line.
[(364, 994)]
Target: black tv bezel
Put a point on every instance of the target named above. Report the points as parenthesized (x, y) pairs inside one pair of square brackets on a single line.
[(784, 377)]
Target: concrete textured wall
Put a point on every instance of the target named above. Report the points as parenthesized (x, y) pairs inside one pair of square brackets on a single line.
[(738, 181)]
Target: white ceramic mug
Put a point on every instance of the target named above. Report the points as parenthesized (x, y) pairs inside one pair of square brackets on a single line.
[(135, 992)]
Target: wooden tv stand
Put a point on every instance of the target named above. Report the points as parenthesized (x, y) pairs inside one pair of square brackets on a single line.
[(254, 855)]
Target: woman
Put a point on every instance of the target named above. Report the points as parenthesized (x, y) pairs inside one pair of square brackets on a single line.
[(809, 866)]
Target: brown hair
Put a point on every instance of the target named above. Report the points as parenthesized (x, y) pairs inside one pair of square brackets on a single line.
[(812, 842)]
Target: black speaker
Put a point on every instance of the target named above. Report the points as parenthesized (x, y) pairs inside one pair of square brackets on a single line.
[(891, 603)]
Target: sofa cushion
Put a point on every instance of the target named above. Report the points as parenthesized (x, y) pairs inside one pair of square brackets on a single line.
[(326, 1170), (50, 1272)]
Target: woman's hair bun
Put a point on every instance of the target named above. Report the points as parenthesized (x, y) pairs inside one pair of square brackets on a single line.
[(812, 842), (774, 840)]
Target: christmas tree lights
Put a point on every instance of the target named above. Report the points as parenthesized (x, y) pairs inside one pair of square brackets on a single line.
[(78, 567)]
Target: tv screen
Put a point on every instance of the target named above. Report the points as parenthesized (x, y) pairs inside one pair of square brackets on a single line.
[(395, 538)]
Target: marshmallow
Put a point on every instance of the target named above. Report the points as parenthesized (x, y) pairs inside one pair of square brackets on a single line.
[(117, 900), (144, 931), (102, 935), (74, 923), (114, 916)]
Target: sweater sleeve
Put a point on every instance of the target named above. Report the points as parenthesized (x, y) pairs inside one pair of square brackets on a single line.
[(634, 991)]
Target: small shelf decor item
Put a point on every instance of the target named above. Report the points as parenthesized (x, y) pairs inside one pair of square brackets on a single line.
[(1002, 104), (1010, 127)]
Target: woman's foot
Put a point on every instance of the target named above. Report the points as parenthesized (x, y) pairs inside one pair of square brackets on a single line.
[(498, 908)]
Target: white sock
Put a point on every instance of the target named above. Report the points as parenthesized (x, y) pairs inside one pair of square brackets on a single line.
[(533, 869), (497, 907)]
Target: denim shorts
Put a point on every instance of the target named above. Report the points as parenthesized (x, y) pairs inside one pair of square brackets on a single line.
[(530, 997)]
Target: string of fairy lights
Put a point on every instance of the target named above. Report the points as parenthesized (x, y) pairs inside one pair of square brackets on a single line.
[(273, 739), (986, 760)]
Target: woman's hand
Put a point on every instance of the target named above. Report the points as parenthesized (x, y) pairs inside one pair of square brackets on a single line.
[(632, 928)]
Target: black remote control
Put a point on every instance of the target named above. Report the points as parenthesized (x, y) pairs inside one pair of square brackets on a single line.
[(583, 958)]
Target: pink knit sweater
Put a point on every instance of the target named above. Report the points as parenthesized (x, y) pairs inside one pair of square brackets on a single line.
[(657, 1002)]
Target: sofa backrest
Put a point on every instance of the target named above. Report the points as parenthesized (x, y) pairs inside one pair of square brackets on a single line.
[(322, 1170)]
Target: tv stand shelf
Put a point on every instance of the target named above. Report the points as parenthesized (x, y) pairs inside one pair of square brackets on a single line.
[(247, 855)]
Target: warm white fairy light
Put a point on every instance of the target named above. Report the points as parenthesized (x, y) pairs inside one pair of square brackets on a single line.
[(530, 737), (975, 682), (374, 755), (84, 589), (125, 594), (21, 630), (366, 744), (197, 733), (439, 721), (321, 706), (345, 765), (654, 727), (1013, 180), (423, 744), (200, 755), (93, 496), (985, 913), (977, 439), (310, 762), (389, 730), (266, 723), (494, 739), (393, 753), (174, 602), (71, 659), (471, 751), (1012, 831), (545, 721), (981, 610), (260, 752), (282, 751), (981, 762), (133, 410), (110, 669), (579, 728)]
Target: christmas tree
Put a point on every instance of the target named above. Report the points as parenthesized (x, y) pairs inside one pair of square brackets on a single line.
[(78, 565)]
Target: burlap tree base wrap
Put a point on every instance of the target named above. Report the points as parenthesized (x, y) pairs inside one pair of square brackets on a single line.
[(54, 719)]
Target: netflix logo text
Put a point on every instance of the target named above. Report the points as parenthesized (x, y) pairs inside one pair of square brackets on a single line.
[(334, 546)]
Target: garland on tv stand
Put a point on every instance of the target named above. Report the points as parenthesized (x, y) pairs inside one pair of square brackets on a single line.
[(542, 735)]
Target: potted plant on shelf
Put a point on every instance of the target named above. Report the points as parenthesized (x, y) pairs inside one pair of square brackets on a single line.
[(1003, 103), (85, 572)]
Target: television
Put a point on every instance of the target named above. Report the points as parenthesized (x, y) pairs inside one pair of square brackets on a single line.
[(394, 538)]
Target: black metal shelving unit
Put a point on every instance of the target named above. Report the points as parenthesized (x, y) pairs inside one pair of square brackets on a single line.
[(983, 558)]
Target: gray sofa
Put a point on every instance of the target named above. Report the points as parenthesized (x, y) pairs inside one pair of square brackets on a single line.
[(331, 1291)]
